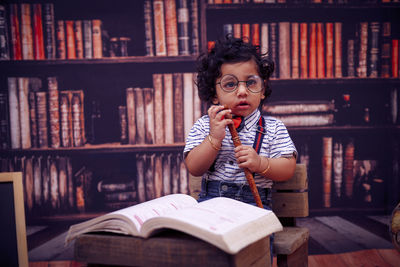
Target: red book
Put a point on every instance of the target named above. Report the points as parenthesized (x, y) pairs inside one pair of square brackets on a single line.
[(38, 42), (395, 58), (255, 34), (303, 50), (246, 32), (295, 50), (237, 30), (313, 51), (70, 37), (78, 39), (60, 37), (15, 32), (320, 51), (329, 50), (171, 29), (338, 49)]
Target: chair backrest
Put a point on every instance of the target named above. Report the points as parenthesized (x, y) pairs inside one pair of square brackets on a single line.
[(290, 198)]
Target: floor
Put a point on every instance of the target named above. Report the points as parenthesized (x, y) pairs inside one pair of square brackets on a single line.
[(348, 240)]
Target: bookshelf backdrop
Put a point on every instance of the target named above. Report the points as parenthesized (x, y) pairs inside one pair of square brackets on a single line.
[(97, 98)]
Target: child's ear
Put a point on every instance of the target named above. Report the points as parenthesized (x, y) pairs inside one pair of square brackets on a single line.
[(215, 100)]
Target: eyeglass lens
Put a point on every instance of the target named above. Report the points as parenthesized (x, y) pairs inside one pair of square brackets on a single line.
[(230, 83)]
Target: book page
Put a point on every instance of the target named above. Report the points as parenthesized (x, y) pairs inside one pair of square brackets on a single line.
[(227, 223)]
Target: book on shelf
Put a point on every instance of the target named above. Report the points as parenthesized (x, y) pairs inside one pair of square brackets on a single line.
[(351, 72), (168, 108), (38, 41), (362, 40), (264, 37), (26, 32), (194, 19), (123, 124), (158, 175), (246, 32), (140, 182), (329, 50), (159, 28), (49, 31), (255, 34), (140, 116), (78, 31), (148, 95), (395, 58), (66, 133), (171, 28), (386, 34), (61, 40), (312, 51), (42, 120), (326, 170), (33, 119), (87, 38), (149, 176), (338, 49), (187, 103), (295, 50), (178, 107), (337, 168), (4, 48), (78, 118), (97, 38), (368, 183), (15, 32), (54, 112), (131, 115), (183, 19), (70, 39), (303, 50), (374, 49), (63, 182), (23, 98), (284, 50), (148, 27), (158, 109), (13, 103), (320, 50), (219, 221), (348, 162), (4, 121), (83, 188)]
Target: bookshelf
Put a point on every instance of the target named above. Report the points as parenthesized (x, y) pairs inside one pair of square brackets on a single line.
[(104, 82)]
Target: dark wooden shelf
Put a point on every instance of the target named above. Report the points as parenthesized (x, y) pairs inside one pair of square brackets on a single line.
[(269, 6), (344, 129), (339, 81), (102, 148)]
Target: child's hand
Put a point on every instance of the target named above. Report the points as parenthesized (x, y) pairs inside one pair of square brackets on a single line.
[(248, 158), (218, 122)]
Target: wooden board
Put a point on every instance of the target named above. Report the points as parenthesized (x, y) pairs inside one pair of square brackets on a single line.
[(290, 204), (299, 181)]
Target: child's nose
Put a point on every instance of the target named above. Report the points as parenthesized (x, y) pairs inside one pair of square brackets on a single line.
[(242, 88)]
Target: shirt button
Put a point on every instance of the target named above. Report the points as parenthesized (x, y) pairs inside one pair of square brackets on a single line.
[(224, 187), (231, 162)]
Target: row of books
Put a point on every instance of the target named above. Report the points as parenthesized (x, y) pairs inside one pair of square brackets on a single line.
[(324, 50), (163, 114), (34, 34), (171, 27), (348, 179), (38, 118), (298, 1)]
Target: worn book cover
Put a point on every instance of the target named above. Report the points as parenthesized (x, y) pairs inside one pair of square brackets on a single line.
[(49, 31), (295, 56), (168, 108), (284, 50), (338, 49), (26, 32), (70, 39), (15, 33), (171, 29), (159, 28), (38, 41), (60, 40)]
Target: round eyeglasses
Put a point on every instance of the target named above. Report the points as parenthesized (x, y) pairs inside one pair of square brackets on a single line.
[(229, 83)]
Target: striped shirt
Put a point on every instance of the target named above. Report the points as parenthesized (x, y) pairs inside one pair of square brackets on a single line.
[(276, 143)]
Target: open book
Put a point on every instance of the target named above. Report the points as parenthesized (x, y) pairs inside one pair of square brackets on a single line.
[(226, 223)]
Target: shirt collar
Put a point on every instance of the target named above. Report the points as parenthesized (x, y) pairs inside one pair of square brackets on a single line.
[(252, 119)]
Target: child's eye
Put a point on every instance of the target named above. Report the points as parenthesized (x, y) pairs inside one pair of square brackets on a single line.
[(229, 85), (251, 82)]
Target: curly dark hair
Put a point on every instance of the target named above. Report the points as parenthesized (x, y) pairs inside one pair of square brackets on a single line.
[(229, 50)]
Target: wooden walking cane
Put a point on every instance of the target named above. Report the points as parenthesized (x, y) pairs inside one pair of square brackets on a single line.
[(249, 176)]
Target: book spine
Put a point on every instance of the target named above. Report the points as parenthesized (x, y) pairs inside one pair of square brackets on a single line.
[(237, 30), (45, 182), (49, 32), (38, 42), (264, 38), (41, 101), (159, 28), (329, 50), (140, 182), (178, 107), (148, 94), (120, 196), (187, 102), (171, 30), (395, 58), (26, 32), (183, 177), (374, 49), (350, 58), (28, 183), (149, 177), (183, 27), (23, 91), (303, 50), (394, 106), (105, 186), (70, 37), (386, 49), (148, 28), (175, 174), (227, 29), (246, 32), (348, 168), (77, 118), (78, 38), (123, 124), (295, 57), (54, 113), (5, 141), (338, 50), (320, 51), (338, 168), (66, 118), (33, 119), (4, 49), (255, 34), (140, 116), (168, 108), (166, 173), (131, 114), (158, 175), (15, 32), (327, 170), (62, 182), (61, 49), (284, 50), (87, 39), (13, 103), (97, 38), (194, 19), (362, 52), (273, 47), (158, 109), (71, 185), (37, 181), (312, 67), (197, 105), (54, 192)]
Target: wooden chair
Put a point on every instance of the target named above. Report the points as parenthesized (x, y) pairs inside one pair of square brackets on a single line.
[(289, 201)]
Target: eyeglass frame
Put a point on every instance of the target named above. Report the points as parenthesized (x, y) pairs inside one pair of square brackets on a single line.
[(237, 85)]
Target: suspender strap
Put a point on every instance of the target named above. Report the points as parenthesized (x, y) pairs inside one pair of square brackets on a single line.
[(260, 132)]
